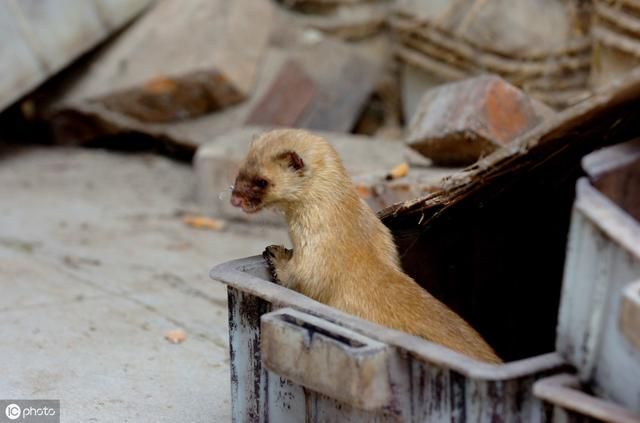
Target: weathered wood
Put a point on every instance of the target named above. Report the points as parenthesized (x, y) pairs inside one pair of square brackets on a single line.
[(166, 99), (349, 21), (380, 193), (503, 26), (511, 211), (616, 40), (458, 39)]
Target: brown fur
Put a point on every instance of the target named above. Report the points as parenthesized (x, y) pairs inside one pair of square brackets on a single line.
[(342, 255)]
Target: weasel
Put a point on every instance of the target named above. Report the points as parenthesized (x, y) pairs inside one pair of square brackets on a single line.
[(342, 255)]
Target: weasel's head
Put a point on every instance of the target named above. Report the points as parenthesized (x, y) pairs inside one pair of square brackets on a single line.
[(278, 168)]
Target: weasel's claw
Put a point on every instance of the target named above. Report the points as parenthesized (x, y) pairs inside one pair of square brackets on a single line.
[(276, 255), (269, 256)]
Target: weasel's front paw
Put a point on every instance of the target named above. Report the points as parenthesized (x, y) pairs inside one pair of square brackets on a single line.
[(276, 256)]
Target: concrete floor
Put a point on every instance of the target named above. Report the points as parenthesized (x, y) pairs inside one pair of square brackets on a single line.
[(95, 266)]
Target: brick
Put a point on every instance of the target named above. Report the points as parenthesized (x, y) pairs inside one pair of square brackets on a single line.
[(286, 99), (457, 123), (180, 60), (342, 82), (343, 90)]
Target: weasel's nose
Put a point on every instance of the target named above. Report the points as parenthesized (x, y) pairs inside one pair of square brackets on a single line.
[(236, 200)]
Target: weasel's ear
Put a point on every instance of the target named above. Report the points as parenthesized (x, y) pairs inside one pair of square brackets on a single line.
[(292, 159)]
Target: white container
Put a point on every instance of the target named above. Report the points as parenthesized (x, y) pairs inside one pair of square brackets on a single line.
[(566, 402), (598, 321), (296, 360)]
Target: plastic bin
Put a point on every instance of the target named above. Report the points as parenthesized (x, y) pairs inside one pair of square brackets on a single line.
[(294, 359), (566, 402), (599, 319)]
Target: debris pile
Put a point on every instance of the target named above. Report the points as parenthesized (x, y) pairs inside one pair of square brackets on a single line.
[(616, 40), (176, 63), (201, 80), (452, 40), (455, 80), (408, 91), (349, 20)]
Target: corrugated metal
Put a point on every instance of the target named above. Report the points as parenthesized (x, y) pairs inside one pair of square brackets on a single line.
[(40, 37), (427, 382), (603, 259)]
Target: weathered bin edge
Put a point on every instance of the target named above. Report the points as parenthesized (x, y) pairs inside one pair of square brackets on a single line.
[(563, 391), (237, 273), (608, 216), (603, 258)]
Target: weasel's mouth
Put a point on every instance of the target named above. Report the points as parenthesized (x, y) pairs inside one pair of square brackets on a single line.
[(245, 204), (251, 209)]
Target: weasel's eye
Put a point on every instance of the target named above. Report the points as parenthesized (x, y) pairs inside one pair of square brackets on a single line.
[(261, 183)]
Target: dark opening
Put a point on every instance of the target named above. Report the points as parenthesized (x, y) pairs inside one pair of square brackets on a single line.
[(313, 329), (496, 254)]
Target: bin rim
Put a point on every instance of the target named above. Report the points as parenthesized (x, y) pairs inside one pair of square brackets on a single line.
[(236, 273), (607, 216)]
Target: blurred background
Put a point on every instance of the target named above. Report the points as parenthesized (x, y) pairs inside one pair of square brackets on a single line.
[(122, 124)]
